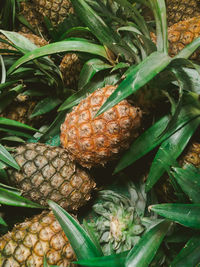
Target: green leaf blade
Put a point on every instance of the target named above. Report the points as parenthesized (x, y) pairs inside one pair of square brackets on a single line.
[(185, 214), (80, 241), (144, 251)]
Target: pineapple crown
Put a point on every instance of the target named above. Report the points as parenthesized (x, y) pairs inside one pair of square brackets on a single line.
[(119, 225)]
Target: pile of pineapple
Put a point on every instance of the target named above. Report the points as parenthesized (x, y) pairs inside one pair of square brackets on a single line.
[(96, 105)]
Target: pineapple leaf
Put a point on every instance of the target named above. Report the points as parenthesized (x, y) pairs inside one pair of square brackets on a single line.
[(189, 180), (139, 76), (80, 241), (12, 123), (90, 68), (103, 32), (169, 150), (45, 105), (2, 222), (154, 135), (185, 214), (116, 260), (54, 128), (189, 255), (90, 87), (159, 10), (75, 44), (20, 42), (6, 157), (8, 197), (3, 70), (188, 50), (144, 251), (143, 144)]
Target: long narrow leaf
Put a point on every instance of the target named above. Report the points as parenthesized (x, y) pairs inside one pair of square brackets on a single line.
[(104, 33), (144, 251), (90, 68), (169, 151), (6, 157), (80, 241), (189, 181), (189, 255), (8, 197), (2, 222), (185, 214), (143, 144), (138, 77), (116, 260), (58, 47)]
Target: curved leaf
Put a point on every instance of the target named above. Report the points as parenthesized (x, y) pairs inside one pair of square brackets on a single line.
[(58, 47), (17, 124), (185, 214), (169, 151), (6, 157), (144, 251), (80, 241), (90, 68), (189, 255), (116, 260), (188, 50), (139, 76), (45, 105), (189, 180), (104, 33), (143, 144), (2, 222), (7, 197)]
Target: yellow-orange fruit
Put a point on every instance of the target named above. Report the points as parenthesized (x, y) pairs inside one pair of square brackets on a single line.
[(95, 141), (29, 242)]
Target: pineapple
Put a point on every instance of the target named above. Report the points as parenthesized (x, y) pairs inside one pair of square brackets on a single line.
[(20, 110), (56, 11), (182, 34), (117, 218), (48, 173), (70, 67), (27, 10), (179, 10), (29, 242), (94, 141), (192, 156)]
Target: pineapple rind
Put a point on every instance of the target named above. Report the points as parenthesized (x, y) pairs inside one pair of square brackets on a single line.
[(48, 173), (56, 10), (95, 141), (30, 241), (179, 10)]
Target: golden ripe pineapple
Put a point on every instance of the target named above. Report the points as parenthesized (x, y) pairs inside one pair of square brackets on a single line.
[(48, 173), (182, 34), (55, 10), (70, 67), (29, 242), (95, 141), (179, 10)]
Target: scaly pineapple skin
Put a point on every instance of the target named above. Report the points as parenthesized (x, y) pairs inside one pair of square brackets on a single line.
[(55, 10), (182, 34), (70, 67), (179, 10), (28, 243), (192, 156), (48, 173), (27, 10), (95, 141)]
